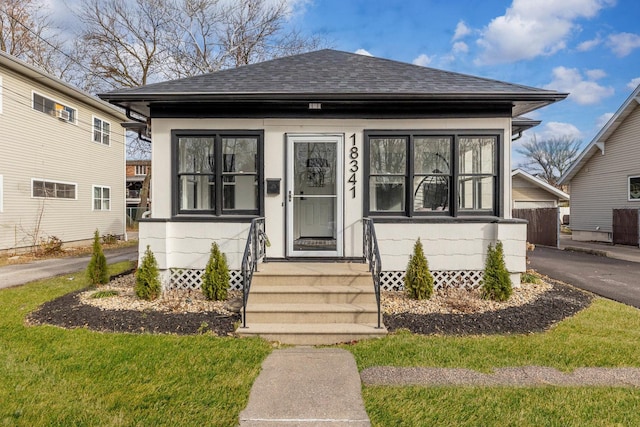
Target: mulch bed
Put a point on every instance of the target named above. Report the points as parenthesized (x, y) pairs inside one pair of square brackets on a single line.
[(68, 312), (551, 307)]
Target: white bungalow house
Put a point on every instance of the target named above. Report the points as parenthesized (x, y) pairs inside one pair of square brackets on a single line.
[(606, 175), (314, 143), (62, 165)]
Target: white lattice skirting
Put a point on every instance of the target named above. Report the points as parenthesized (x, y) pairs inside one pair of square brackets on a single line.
[(190, 279), (464, 279)]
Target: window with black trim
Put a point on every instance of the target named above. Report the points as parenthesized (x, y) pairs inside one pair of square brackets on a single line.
[(218, 173), (432, 174)]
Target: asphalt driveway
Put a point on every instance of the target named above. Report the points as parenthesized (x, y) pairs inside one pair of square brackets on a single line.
[(611, 278), (18, 274)]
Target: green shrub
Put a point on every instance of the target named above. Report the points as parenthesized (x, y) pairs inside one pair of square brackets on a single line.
[(496, 283), (97, 268), (147, 277), (215, 281), (418, 281)]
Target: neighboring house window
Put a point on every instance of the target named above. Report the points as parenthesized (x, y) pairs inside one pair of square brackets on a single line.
[(634, 188), (101, 198), (417, 174), (53, 108), (218, 173), (52, 189), (141, 169), (101, 131)]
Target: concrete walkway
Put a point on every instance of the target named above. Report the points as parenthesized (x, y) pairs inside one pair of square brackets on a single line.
[(306, 386), (19, 274), (621, 252), (527, 376)]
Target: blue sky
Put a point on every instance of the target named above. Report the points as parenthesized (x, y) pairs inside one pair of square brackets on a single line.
[(589, 48)]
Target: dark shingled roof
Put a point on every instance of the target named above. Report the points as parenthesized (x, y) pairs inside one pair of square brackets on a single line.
[(332, 74)]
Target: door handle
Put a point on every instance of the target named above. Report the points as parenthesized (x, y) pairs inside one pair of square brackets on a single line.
[(289, 195)]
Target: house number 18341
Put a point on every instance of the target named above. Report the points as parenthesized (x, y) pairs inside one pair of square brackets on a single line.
[(353, 165)]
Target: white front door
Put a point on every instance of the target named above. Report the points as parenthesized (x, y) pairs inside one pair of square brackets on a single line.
[(314, 195)]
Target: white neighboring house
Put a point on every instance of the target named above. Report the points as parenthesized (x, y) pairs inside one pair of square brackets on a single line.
[(62, 168), (606, 175), (316, 142), (530, 192)]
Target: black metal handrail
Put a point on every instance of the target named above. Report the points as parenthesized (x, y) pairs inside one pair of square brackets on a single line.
[(371, 254), (254, 251)]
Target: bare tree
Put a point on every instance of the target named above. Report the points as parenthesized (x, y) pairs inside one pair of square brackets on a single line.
[(549, 159), (27, 33)]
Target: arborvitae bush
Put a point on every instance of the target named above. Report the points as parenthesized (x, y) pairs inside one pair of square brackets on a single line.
[(97, 268), (148, 285), (418, 281), (215, 281), (496, 283)]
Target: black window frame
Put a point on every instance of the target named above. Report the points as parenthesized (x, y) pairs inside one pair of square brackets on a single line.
[(218, 211), (454, 210)]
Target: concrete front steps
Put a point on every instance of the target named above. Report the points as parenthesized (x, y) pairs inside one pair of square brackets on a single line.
[(312, 303)]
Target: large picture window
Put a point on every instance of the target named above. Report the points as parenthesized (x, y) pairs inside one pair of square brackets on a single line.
[(218, 173), (416, 174)]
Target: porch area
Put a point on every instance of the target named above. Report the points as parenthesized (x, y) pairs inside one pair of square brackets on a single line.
[(312, 303)]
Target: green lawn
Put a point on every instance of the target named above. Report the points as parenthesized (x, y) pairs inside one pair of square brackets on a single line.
[(52, 376), (607, 334)]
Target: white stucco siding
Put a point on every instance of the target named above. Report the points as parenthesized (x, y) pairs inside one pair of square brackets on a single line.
[(601, 185), (451, 246), (188, 244)]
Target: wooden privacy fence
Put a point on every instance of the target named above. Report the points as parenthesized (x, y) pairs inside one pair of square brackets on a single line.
[(625, 227), (544, 225)]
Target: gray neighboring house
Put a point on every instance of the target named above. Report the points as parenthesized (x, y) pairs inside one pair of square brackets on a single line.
[(606, 175), (314, 143), (62, 168)]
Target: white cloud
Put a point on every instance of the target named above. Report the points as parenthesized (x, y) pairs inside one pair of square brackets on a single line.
[(595, 74), (603, 119), (633, 84), (423, 60), (552, 130), (532, 28), (583, 92), (461, 31), (589, 44), (363, 52), (623, 43), (460, 47)]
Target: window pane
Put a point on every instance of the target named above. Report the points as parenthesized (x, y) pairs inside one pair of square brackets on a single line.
[(97, 125), (97, 205), (106, 192), (38, 189), (476, 193), (477, 155), (431, 193), (97, 192), (240, 192), (49, 189), (240, 154), (432, 155), (197, 192), (196, 155), (106, 205), (388, 155), (634, 188), (387, 193)]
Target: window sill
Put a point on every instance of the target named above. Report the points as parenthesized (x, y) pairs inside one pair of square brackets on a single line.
[(444, 220), (204, 218)]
